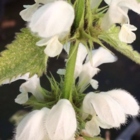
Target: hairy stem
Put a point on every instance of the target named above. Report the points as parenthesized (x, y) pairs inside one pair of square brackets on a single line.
[(69, 76)]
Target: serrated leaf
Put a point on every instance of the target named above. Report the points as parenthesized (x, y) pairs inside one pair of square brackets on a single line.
[(112, 38), (22, 56), (95, 138)]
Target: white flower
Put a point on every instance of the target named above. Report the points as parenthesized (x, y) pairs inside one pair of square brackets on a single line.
[(108, 109), (52, 22), (117, 12), (126, 35), (121, 6), (32, 126), (61, 121), (89, 69), (125, 100), (33, 86), (29, 10), (92, 126)]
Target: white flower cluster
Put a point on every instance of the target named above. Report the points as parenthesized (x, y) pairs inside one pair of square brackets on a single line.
[(108, 109), (51, 20)]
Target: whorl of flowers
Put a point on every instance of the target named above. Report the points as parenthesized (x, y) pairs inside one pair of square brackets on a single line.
[(67, 112)]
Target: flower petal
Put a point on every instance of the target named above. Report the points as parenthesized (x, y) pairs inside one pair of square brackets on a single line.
[(22, 98), (101, 56), (61, 71), (134, 5), (85, 77), (81, 55), (107, 1), (92, 128), (46, 20), (32, 126), (54, 47), (101, 123), (94, 83), (126, 35), (27, 14), (104, 106), (33, 86), (61, 121), (125, 100), (42, 42), (112, 16)]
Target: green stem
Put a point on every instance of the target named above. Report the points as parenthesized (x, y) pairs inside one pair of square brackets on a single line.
[(69, 76), (80, 5)]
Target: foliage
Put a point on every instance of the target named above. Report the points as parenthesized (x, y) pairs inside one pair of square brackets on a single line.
[(22, 56)]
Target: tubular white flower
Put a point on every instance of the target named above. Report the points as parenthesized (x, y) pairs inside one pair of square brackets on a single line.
[(61, 121), (54, 47), (32, 126), (103, 105), (117, 12), (99, 57), (29, 10), (32, 86), (126, 101), (86, 75), (46, 22), (108, 109), (126, 35)]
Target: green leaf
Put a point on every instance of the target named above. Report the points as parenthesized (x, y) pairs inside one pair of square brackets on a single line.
[(112, 38), (95, 138), (22, 56)]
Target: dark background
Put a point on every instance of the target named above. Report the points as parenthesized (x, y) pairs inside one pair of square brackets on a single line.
[(123, 74)]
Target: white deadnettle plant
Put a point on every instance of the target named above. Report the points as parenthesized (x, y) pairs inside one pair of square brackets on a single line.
[(52, 22), (117, 13), (65, 112)]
